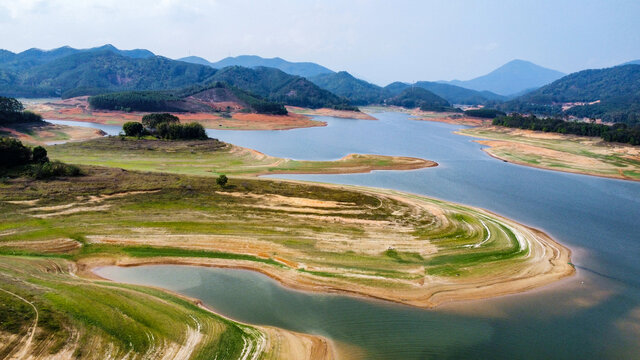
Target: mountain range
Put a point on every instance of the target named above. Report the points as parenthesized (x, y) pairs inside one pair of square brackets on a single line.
[(304, 69), (360, 92), (69, 72), (614, 92)]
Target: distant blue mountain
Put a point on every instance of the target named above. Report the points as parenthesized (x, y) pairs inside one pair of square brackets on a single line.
[(513, 77), (196, 60), (304, 69), (633, 62)]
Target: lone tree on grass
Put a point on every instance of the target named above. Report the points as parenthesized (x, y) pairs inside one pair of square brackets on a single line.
[(222, 180)]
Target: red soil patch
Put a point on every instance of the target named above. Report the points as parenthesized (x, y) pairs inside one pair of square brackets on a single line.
[(77, 109)]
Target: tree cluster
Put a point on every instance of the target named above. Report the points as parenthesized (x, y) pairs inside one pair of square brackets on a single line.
[(134, 101), (33, 162), (12, 111), (616, 133), (165, 126), (190, 131), (484, 113)]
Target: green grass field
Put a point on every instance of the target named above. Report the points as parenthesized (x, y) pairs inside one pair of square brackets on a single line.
[(211, 157)]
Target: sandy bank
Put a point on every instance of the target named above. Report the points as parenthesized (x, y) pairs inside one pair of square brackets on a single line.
[(343, 114), (47, 134)]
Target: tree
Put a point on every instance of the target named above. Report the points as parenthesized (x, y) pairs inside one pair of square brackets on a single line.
[(222, 180), (39, 155), (10, 105), (133, 128), (151, 121), (13, 153)]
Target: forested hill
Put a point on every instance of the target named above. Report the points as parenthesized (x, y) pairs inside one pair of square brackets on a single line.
[(451, 93), (69, 72), (417, 97), (88, 72), (215, 97), (611, 94), (358, 91), (276, 85)]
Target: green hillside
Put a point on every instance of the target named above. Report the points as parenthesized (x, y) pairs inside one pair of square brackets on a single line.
[(205, 98), (101, 70), (416, 97), (359, 92), (453, 94), (276, 85), (614, 92)]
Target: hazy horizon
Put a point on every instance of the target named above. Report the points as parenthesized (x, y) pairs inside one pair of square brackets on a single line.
[(378, 41)]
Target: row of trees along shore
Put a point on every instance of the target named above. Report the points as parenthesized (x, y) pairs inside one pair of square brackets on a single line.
[(618, 132)]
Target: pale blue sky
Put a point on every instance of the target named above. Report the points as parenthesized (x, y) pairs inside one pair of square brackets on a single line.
[(378, 40)]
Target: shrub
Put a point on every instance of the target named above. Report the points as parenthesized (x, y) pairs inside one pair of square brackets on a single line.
[(222, 180), (13, 153), (39, 155), (52, 169), (133, 128)]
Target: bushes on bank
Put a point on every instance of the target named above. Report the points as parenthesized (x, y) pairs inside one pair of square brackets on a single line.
[(34, 163), (618, 132), (13, 153), (484, 113), (51, 169)]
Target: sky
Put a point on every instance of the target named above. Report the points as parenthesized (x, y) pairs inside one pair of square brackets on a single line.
[(378, 40)]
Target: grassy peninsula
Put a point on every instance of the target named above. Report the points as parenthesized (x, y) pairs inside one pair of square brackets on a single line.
[(569, 153)]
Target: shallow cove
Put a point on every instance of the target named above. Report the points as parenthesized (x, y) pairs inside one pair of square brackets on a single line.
[(593, 315)]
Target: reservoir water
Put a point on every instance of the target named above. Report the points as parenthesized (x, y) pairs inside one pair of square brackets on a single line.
[(595, 314)]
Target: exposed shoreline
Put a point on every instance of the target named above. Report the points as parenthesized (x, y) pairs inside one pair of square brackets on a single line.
[(550, 262), (201, 157), (487, 150), (342, 114), (77, 109), (521, 149)]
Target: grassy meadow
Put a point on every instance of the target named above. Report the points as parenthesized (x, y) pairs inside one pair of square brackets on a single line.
[(211, 158)]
